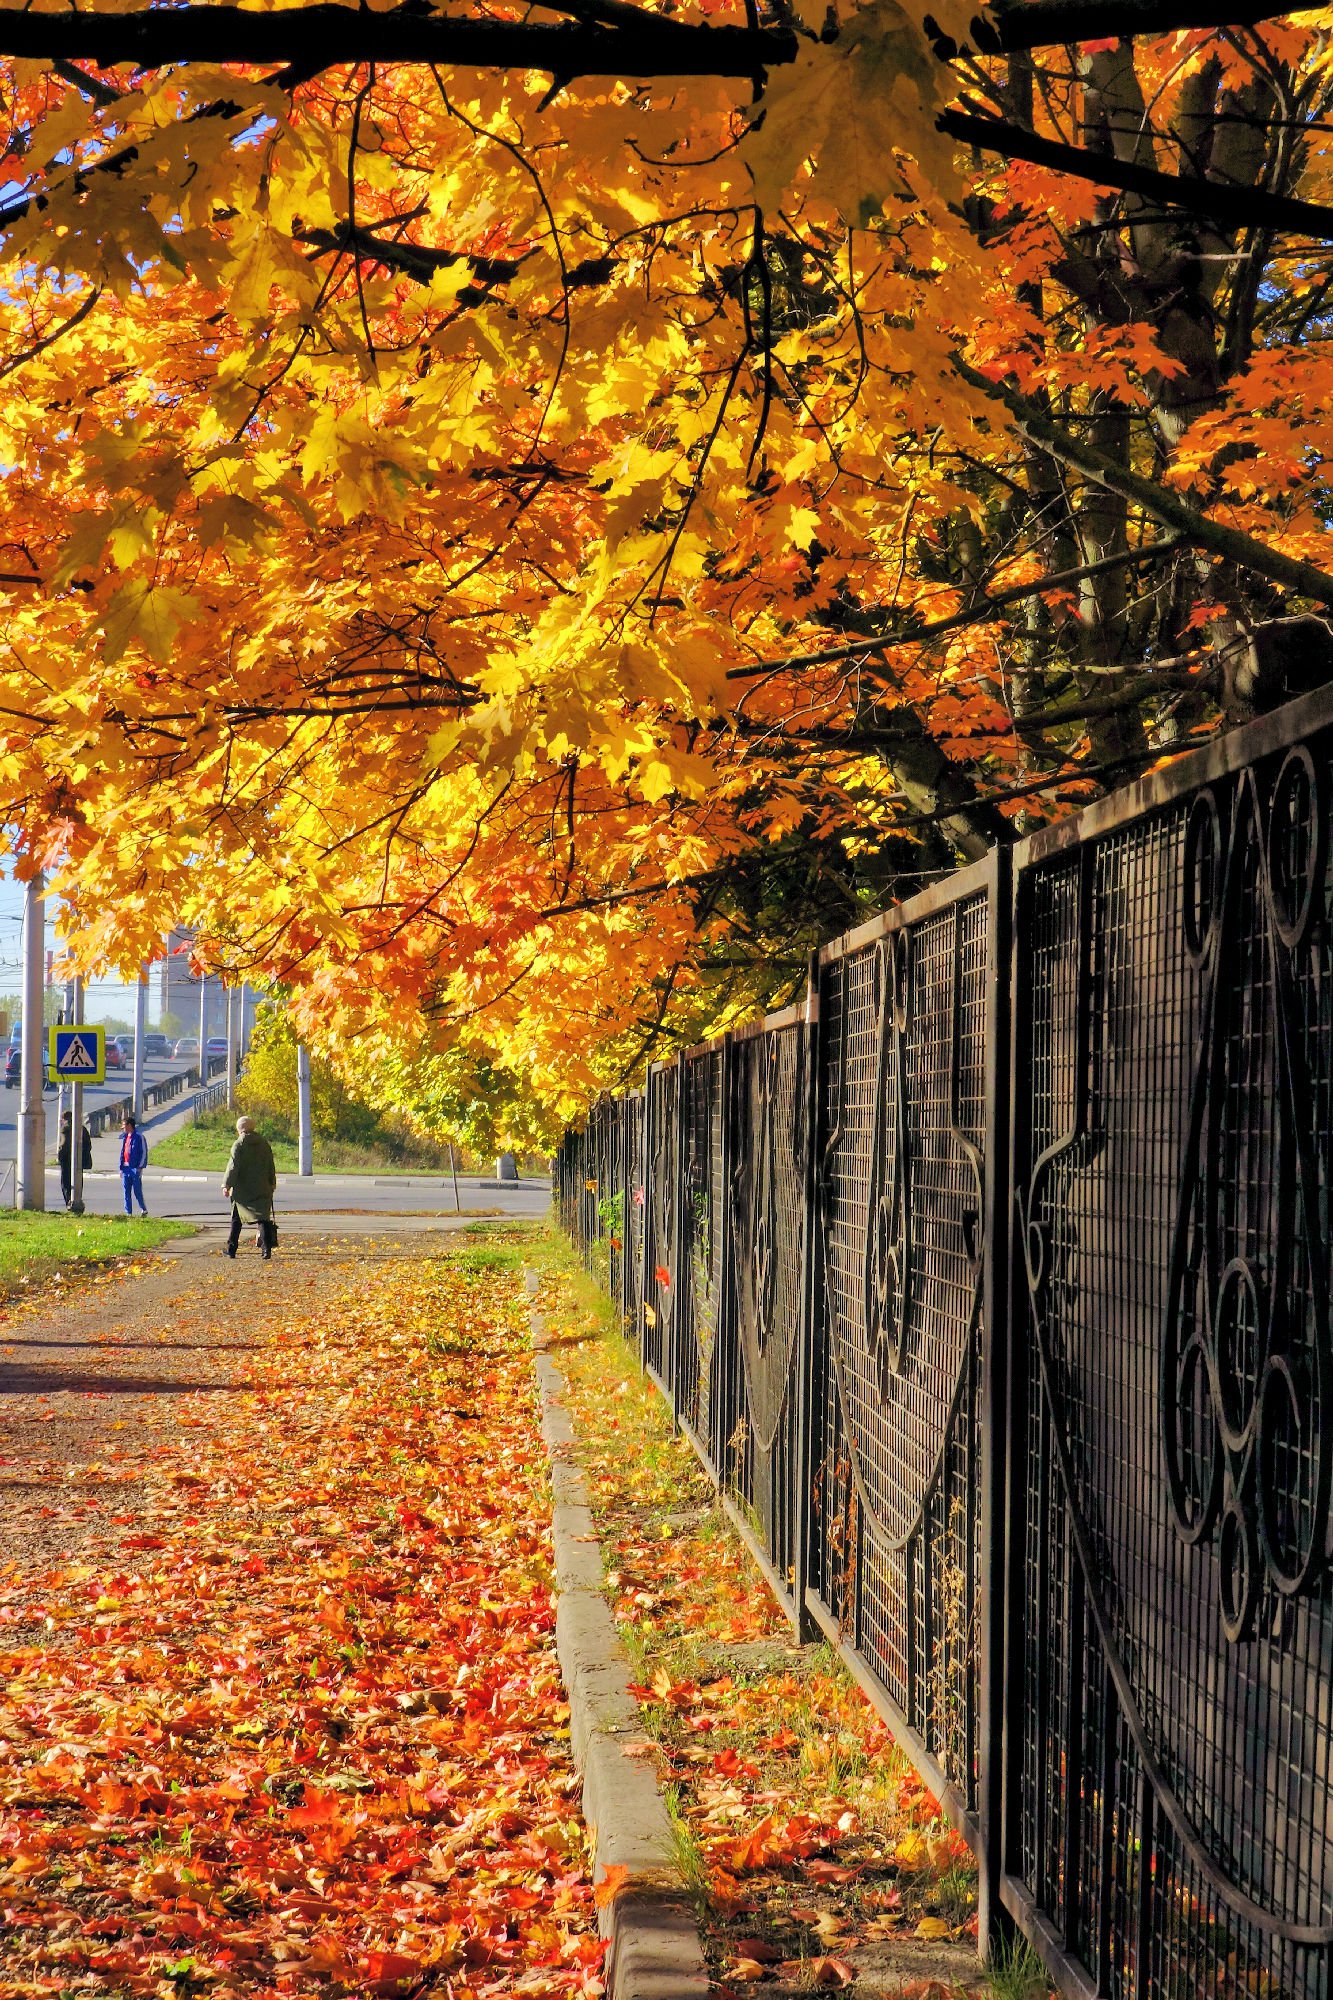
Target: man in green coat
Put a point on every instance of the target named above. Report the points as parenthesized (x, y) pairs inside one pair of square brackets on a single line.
[(251, 1182)]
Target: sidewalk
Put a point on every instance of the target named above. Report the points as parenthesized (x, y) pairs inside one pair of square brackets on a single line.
[(156, 1125), (281, 1711)]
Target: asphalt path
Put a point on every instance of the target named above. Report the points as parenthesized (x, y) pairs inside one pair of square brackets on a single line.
[(199, 1197)]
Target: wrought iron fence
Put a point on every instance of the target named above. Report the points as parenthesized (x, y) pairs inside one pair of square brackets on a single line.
[(992, 1287)]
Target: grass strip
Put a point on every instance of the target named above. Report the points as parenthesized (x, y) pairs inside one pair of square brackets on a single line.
[(34, 1246), (817, 1858), (206, 1147)]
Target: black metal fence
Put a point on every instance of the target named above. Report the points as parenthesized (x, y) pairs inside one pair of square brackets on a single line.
[(992, 1288)]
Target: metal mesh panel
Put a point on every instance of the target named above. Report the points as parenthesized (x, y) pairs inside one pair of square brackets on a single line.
[(660, 1266), (898, 1478), (701, 1235), (1175, 1637), (770, 1117)]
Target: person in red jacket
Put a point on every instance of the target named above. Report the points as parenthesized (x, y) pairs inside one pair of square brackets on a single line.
[(133, 1160)]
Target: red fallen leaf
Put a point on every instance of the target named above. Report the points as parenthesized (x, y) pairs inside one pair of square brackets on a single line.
[(757, 1948), (830, 1871), (830, 1972), (662, 1275), (317, 1809), (612, 1882), (390, 1966)]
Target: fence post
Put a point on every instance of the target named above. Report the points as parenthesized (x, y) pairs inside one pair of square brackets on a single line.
[(649, 1257), (996, 1405), (675, 1237), (808, 1372)]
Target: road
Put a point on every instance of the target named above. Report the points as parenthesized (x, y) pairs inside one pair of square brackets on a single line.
[(119, 1083), (198, 1196), (319, 1201)]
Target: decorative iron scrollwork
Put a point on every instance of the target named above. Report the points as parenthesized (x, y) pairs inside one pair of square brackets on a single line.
[(772, 1120), (1246, 1389), (885, 1348), (888, 1242)]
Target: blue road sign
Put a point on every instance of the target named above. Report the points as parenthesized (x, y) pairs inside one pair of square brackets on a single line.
[(77, 1055)]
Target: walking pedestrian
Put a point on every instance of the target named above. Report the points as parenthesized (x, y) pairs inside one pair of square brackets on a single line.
[(251, 1183), (65, 1154), (133, 1160)]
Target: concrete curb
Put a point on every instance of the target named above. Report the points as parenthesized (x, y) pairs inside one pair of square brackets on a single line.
[(653, 1951)]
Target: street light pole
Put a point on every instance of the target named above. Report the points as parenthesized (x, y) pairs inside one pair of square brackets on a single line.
[(140, 1029), (30, 1170), (231, 1048), (305, 1150), (76, 1120), (203, 1028)]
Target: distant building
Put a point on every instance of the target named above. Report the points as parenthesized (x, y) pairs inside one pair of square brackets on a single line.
[(178, 993)]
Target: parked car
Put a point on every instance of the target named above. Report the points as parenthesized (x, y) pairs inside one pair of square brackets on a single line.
[(216, 1049), (156, 1045), (186, 1048), (13, 1068), (115, 1054)]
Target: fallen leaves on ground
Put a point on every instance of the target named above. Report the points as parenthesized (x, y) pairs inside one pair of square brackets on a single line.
[(299, 1727), (810, 1842)]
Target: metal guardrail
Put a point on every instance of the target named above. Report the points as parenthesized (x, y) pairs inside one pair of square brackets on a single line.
[(170, 1087)]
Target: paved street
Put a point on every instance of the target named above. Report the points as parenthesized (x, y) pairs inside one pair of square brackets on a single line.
[(314, 1203), (301, 1204), (119, 1083)]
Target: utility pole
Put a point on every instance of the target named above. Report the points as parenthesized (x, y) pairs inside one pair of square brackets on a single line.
[(140, 1029), (203, 1028), (30, 1168), (231, 1048), (305, 1150), (76, 1119)]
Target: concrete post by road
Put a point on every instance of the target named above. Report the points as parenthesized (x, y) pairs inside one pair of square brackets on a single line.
[(140, 1029), (231, 1048), (305, 1148), (76, 1118), (30, 1171), (203, 1028)]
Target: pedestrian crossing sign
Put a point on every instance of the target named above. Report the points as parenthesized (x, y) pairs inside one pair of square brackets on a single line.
[(77, 1055)]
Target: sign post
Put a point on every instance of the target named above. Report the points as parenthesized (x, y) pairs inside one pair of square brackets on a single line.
[(76, 1098), (30, 1174)]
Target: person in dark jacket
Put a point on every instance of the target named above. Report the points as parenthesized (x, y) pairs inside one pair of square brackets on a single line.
[(133, 1160), (65, 1154), (251, 1182)]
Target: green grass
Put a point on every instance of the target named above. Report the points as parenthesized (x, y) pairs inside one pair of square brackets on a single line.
[(35, 1246), (1014, 1971), (206, 1147)]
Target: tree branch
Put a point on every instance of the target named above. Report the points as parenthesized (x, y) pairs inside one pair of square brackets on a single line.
[(323, 36), (1236, 207), (1234, 546), (975, 613), (1034, 24)]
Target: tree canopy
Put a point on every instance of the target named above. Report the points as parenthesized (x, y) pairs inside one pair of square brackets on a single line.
[(518, 522)]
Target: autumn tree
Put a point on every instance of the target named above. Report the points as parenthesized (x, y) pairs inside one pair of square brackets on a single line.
[(519, 526)]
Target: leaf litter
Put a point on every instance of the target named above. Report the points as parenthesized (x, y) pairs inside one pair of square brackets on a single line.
[(297, 1727)]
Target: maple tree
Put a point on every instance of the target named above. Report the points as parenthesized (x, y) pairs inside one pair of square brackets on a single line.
[(517, 527)]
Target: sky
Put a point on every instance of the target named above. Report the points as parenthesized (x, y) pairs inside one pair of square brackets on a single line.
[(101, 996)]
